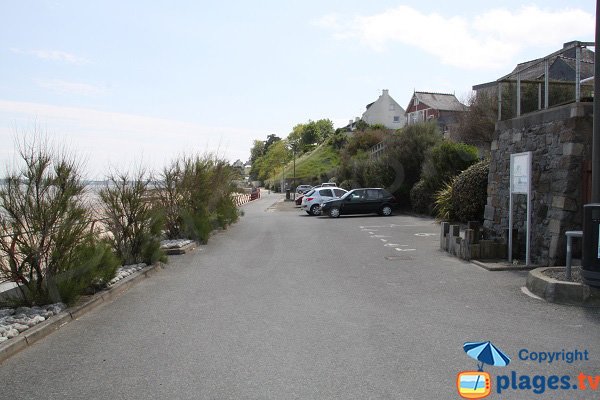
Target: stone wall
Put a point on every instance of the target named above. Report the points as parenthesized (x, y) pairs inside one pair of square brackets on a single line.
[(560, 140)]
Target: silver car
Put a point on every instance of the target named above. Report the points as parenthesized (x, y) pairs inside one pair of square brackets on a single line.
[(311, 203)]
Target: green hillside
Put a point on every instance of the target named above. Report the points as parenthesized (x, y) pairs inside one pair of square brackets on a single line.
[(311, 167)]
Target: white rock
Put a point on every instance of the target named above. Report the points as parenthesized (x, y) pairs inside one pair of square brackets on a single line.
[(12, 333), (20, 327), (3, 339)]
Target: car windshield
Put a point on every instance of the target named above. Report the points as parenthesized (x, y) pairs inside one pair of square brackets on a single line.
[(346, 195)]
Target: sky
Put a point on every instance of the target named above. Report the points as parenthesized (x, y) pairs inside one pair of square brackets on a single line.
[(128, 84)]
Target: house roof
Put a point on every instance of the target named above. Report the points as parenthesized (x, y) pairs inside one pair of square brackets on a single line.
[(439, 101), (561, 66)]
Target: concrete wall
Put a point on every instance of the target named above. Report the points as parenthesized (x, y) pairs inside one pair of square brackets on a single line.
[(560, 139)]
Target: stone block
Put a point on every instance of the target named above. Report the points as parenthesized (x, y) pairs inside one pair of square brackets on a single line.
[(444, 230), (488, 213), (558, 202), (454, 230), (572, 149), (500, 251), (494, 145), (486, 248), (554, 226), (516, 137)]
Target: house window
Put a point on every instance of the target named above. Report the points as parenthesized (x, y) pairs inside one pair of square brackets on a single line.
[(416, 102), (396, 118)]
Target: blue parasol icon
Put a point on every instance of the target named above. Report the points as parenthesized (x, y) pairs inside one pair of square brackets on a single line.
[(486, 353)]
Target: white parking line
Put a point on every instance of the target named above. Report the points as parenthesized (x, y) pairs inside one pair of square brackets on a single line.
[(397, 249)]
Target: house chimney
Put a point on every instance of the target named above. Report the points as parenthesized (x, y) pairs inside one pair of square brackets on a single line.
[(385, 92)]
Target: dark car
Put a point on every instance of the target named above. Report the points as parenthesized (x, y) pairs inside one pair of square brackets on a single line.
[(361, 201)]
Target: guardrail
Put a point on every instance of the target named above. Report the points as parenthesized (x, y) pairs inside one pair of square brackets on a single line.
[(243, 198)]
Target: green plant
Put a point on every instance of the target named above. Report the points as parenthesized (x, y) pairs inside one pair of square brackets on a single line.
[(443, 202), (446, 160), (48, 245), (195, 195), (469, 192), (406, 152), (421, 198), (129, 215)]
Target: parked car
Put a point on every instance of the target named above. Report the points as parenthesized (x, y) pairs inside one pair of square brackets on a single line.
[(300, 189), (255, 193), (311, 203), (299, 199), (361, 201), (325, 184)]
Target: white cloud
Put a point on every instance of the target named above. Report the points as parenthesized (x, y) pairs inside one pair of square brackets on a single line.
[(64, 87), (110, 139), (54, 55), (489, 40)]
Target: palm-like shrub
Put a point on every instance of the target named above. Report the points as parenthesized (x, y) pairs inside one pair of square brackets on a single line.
[(443, 203)]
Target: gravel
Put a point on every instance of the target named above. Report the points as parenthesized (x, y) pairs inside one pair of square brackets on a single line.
[(174, 244), (560, 274), (14, 321)]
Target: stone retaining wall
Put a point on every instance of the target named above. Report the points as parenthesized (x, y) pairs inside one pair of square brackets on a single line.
[(560, 140)]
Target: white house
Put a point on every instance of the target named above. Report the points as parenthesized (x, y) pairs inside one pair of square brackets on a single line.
[(385, 111)]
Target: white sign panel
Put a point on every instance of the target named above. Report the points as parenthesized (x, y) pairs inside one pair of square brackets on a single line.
[(520, 172)]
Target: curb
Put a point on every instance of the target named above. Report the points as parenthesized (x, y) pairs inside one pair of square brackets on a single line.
[(502, 266), (43, 329), (561, 292), (175, 251)]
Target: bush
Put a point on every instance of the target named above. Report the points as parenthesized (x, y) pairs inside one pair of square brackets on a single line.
[(130, 217), (49, 248), (446, 160), (363, 140), (469, 192), (195, 195), (421, 198), (406, 152)]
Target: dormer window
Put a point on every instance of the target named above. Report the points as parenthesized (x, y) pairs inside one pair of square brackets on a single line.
[(416, 102)]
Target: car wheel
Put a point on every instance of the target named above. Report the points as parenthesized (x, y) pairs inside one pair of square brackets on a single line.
[(386, 211), (315, 209), (334, 212)]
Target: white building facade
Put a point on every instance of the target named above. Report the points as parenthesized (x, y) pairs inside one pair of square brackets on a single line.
[(385, 111)]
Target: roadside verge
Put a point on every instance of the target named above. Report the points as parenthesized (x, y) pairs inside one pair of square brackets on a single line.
[(43, 329)]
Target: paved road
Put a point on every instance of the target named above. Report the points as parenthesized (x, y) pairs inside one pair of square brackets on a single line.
[(287, 306)]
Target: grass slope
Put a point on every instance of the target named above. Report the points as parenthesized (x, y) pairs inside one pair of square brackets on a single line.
[(310, 167)]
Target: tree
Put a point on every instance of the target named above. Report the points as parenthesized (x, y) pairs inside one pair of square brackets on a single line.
[(477, 125), (271, 139), (51, 250)]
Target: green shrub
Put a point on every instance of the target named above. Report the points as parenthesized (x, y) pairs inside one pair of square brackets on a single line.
[(49, 247), (446, 160), (135, 225), (469, 192), (406, 151), (443, 203), (195, 195), (421, 198)]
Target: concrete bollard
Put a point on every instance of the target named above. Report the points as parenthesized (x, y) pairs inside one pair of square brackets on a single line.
[(444, 230)]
